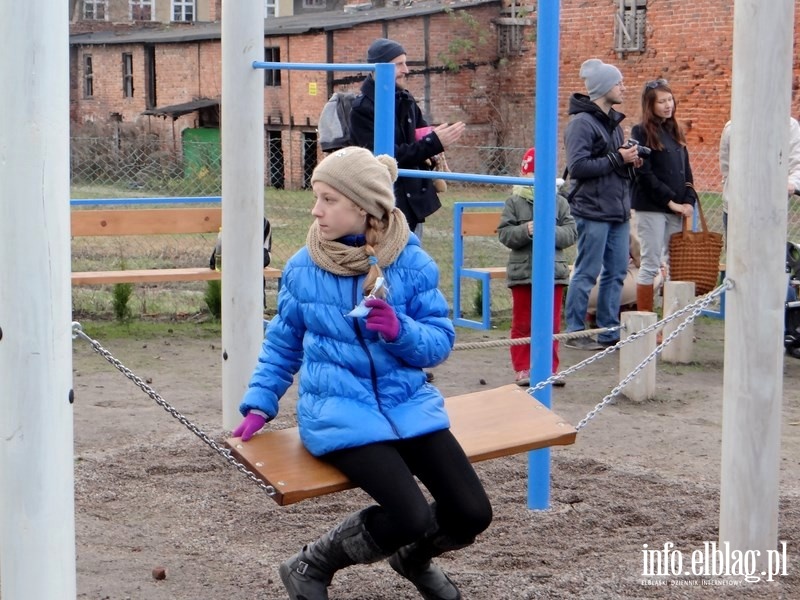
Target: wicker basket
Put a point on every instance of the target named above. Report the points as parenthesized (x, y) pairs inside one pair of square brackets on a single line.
[(694, 256)]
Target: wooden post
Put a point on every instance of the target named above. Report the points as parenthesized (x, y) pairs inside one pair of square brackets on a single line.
[(242, 200), (677, 295), (643, 386), (37, 509), (757, 212)]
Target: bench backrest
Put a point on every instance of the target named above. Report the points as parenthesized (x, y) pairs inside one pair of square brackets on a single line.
[(480, 223), (472, 219), (145, 221)]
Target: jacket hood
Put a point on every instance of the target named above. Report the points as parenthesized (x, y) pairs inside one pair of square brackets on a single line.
[(580, 103), (523, 191)]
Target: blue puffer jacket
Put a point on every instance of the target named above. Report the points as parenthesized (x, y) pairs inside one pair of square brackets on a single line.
[(355, 388)]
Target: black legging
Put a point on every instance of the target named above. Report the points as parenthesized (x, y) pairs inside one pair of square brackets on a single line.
[(386, 472)]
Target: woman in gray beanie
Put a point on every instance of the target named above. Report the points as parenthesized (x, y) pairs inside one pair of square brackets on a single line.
[(360, 317)]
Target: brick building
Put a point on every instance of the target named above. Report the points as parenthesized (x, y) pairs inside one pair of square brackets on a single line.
[(471, 60)]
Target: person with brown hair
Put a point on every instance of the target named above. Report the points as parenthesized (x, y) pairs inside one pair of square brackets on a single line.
[(663, 193), (360, 315)]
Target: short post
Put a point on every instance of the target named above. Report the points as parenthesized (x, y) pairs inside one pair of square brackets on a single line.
[(643, 386), (677, 295)]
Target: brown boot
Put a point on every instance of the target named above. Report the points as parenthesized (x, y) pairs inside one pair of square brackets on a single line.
[(644, 297)]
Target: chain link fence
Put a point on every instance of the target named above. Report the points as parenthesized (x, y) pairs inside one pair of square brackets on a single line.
[(140, 166)]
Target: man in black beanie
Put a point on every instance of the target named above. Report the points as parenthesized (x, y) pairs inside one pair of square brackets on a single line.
[(416, 198)]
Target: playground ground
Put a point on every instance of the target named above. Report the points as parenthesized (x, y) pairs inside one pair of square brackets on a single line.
[(150, 494)]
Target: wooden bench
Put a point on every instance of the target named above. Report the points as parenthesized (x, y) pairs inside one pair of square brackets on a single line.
[(149, 221), (467, 223), (488, 424)]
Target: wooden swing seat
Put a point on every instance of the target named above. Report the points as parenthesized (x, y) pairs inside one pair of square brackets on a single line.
[(488, 424)]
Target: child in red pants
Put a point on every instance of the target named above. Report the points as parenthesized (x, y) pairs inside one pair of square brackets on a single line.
[(515, 232)]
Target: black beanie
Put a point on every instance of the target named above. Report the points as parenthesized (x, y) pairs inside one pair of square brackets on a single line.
[(384, 50)]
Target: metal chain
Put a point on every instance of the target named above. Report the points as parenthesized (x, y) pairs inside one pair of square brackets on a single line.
[(77, 331), (696, 309)]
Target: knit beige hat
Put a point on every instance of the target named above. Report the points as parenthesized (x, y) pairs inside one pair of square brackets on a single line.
[(365, 179)]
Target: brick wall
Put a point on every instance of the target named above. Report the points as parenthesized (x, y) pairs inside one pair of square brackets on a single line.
[(690, 44), (687, 43)]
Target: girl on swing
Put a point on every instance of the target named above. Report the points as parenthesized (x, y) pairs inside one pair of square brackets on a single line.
[(361, 317)]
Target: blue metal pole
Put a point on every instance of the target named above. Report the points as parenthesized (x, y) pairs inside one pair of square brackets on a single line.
[(257, 64), (159, 200), (546, 126), (384, 109), (468, 177)]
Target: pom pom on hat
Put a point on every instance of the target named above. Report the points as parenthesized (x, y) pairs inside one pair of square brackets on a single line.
[(528, 162), (365, 179), (599, 77), (384, 50)]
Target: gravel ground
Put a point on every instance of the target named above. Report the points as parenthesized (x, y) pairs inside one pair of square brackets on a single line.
[(150, 495)]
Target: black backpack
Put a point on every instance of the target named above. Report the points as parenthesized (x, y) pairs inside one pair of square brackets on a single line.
[(267, 246), (334, 122)]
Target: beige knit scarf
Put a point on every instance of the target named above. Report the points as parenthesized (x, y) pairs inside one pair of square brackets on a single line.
[(341, 259)]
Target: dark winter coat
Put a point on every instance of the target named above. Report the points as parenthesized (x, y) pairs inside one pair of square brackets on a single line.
[(601, 181), (665, 175), (513, 233), (416, 198)]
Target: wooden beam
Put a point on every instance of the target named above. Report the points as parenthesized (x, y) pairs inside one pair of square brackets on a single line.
[(145, 221)]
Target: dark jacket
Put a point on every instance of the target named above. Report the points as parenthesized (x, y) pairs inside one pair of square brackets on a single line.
[(513, 233), (601, 181), (416, 198), (666, 175)]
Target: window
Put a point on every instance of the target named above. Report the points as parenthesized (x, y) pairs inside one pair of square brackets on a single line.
[(629, 25), (88, 76), (183, 10), (270, 9), (127, 75), (149, 76), (275, 164), (314, 4), (309, 157), (515, 28), (141, 10), (95, 10), (272, 77)]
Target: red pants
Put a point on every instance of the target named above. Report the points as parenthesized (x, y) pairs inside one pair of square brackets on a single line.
[(521, 324)]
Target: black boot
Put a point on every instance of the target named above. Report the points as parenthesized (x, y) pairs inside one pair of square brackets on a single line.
[(414, 563), (307, 574)]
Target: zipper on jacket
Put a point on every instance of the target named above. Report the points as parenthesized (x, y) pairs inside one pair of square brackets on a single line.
[(373, 372)]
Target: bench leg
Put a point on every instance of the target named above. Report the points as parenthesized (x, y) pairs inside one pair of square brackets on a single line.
[(486, 311), (486, 315), (717, 314)]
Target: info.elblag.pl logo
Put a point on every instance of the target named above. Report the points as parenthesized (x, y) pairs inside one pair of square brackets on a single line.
[(711, 561)]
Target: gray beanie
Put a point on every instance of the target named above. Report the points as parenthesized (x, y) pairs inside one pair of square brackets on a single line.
[(384, 50), (599, 77), (365, 179)]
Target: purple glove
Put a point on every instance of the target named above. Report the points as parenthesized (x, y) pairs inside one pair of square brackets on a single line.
[(382, 319), (251, 424)]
